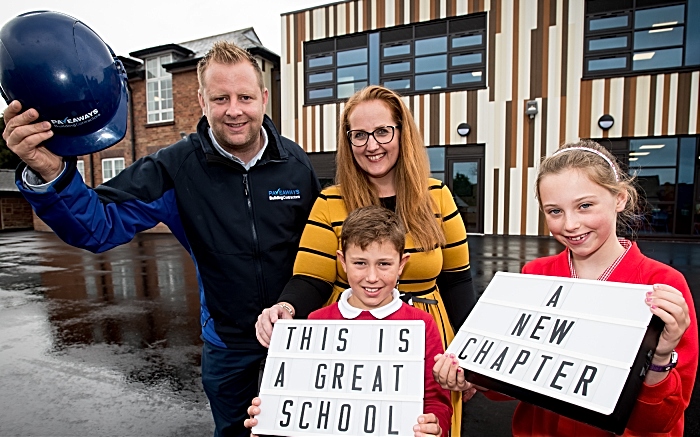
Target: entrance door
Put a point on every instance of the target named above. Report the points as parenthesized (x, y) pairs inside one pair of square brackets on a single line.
[(465, 179)]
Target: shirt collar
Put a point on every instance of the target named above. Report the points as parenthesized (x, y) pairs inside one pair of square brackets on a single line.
[(250, 163), (350, 312)]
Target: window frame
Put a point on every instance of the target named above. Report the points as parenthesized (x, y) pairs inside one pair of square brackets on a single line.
[(628, 52), (111, 162), (161, 115), (80, 167), (409, 34)]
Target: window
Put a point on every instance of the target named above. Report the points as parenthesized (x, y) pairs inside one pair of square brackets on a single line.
[(667, 178), (448, 54), (159, 90), (111, 167), (639, 36), (665, 174), (80, 164)]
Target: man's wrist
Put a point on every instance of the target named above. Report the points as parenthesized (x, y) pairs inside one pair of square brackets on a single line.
[(53, 175)]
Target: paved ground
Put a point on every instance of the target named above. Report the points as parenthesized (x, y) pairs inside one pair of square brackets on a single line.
[(109, 344)]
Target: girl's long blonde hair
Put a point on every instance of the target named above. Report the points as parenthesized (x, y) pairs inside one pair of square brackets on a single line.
[(414, 205)]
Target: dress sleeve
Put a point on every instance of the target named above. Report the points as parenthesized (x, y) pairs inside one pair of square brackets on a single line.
[(660, 407), (455, 279), (315, 267), (436, 400)]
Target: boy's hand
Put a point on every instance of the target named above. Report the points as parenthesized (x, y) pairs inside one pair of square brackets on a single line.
[(253, 411), (450, 376), (266, 321), (427, 426)]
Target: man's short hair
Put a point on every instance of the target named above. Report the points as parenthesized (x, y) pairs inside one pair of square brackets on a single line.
[(227, 53), (373, 224)]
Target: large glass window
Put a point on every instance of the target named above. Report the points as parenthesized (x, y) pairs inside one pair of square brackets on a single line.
[(665, 171), (629, 36), (111, 167), (418, 58), (159, 90)]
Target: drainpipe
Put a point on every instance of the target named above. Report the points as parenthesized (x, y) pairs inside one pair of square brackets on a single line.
[(92, 172), (131, 123)]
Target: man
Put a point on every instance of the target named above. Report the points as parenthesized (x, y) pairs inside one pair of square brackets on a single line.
[(217, 190)]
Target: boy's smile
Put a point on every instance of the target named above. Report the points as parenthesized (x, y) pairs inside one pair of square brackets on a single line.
[(372, 273)]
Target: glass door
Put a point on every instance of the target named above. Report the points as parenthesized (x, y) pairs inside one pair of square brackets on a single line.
[(465, 179)]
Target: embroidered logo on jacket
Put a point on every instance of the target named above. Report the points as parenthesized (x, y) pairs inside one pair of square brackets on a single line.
[(282, 194)]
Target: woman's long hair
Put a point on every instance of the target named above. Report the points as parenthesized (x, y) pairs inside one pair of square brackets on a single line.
[(414, 205)]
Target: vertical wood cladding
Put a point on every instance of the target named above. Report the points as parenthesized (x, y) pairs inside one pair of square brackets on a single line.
[(631, 98), (434, 119), (494, 28), (683, 103), (652, 105), (534, 52), (496, 194)]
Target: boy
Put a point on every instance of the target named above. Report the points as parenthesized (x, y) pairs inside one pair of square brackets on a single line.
[(372, 242)]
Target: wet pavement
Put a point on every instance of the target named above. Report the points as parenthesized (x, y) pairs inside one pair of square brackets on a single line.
[(108, 344)]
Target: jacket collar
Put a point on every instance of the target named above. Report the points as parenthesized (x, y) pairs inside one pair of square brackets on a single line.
[(273, 152)]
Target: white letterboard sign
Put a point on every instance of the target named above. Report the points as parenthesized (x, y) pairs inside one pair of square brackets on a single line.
[(574, 346), (340, 377)]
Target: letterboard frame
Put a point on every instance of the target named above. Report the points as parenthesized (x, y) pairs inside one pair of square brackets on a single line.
[(405, 398), (613, 421)]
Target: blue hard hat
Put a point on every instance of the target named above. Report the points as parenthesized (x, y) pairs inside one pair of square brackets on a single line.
[(57, 65)]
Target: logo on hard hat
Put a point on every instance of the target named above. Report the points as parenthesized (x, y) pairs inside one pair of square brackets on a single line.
[(76, 121)]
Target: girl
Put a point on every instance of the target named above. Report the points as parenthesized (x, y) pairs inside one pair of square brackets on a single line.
[(585, 198), (382, 161)]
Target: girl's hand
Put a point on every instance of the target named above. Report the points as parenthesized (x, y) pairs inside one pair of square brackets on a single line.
[(253, 411), (427, 426), (450, 376), (669, 305)]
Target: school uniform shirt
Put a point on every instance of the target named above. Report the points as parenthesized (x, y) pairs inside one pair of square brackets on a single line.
[(436, 400), (659, 410)]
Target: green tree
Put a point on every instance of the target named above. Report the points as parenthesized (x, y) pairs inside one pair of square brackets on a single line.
[(7, 158)]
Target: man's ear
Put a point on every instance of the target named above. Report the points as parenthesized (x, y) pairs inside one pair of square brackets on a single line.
[(341, 257), (200, 98)]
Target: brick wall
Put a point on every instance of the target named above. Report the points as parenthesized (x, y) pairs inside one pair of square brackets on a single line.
[(151, 137), (15, 213)]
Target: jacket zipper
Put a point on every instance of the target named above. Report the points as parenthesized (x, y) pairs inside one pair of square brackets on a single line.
[(258, 267)]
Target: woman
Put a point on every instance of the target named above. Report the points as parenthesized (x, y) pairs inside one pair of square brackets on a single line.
[(382, 160)]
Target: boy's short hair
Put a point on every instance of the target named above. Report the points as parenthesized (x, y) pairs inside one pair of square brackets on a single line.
[(373, 224)]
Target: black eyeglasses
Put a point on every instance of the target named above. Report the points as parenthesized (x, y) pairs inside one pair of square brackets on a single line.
[(382, 135)]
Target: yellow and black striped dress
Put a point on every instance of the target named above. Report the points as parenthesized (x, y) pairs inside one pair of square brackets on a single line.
[(321, 238)]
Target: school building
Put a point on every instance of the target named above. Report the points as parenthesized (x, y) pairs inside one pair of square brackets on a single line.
[(495, 85)]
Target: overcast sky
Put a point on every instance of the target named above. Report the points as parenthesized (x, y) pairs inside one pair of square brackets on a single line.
[(129, 25)]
